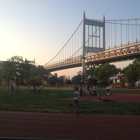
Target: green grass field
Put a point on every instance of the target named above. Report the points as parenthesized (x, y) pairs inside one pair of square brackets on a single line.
[(47, 102)]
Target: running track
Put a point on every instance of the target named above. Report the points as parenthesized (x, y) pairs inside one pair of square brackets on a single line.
[(69, 126)]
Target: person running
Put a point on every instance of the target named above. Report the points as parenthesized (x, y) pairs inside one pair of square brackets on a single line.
[(76, 99)]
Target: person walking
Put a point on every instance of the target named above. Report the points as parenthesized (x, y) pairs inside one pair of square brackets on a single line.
[(76, 96), (12, 88), (81, 90), (94, 91), (88, 91)]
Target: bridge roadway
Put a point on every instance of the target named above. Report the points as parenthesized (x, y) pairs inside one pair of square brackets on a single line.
[(127, 52)]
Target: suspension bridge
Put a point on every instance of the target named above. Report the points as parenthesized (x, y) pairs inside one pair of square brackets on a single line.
[(95, 42)]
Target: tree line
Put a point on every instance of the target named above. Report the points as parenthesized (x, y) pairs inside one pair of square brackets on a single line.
[(107, 74), (16, 70)]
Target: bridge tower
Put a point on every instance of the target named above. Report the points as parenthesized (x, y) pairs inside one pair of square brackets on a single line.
[(96, 38)]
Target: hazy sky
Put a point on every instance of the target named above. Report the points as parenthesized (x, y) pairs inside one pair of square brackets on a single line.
[(38, 29)]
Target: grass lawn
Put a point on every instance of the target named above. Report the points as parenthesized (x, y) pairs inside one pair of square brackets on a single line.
[(47, 101)]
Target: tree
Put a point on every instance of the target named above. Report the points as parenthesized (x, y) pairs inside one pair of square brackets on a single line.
[(62, 79), (53, 80), (19, 71), (38, 73), (105, 71), (7, 71), (1, 70), (90, 72), (35, 82), (132, 72), (78, 78), (56, 75), (92, 81), (68, 82)]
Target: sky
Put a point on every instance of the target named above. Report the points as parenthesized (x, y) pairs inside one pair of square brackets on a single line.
[(38, 29)]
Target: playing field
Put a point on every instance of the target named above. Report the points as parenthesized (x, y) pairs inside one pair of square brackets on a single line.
[(57, 100)]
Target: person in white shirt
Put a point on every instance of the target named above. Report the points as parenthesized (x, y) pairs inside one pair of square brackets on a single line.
[(76, 96)]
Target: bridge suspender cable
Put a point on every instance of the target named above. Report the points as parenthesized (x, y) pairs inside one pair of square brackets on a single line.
[(121, 32), (139, 32), (114, 35), (92, 37), (136, 30), (111, 35), (128, 31), (132, 32)]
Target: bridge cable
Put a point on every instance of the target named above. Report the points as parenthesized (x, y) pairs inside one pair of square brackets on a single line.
[(121, 32), (126, 34), (139, 33), (88, 35), (128, 31), (132, 32), (114, 35), (92, 37), (72, 45), (108, 35), (136, 30), (75, 42), (122, 23), (66, 43), (111, 36), (124, 19)]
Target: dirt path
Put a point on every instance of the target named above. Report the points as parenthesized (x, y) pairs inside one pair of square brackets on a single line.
[(122, 98), (69, 126)]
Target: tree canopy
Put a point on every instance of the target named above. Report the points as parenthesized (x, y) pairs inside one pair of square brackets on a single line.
[(132, 72), (20, 72)]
